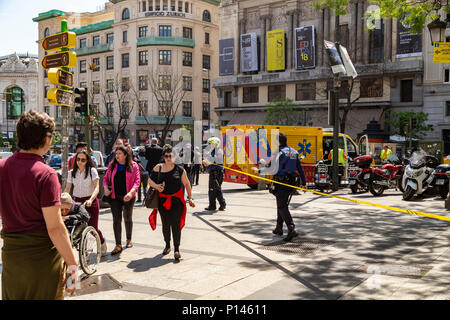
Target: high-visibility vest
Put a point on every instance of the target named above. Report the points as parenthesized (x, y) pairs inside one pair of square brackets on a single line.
[(385, 154), (342, 156)]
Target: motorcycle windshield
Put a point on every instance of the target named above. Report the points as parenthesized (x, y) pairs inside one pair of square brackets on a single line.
[(417, 160)]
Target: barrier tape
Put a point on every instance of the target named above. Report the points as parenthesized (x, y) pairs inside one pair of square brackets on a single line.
[(412, 212)]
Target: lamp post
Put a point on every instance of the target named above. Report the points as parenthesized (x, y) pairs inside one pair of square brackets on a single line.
[(437, 27)]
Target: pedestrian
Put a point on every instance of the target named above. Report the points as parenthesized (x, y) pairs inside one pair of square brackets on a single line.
[(85, 181), (79, 147), (196, 166), (144, 175), (153, 154), (73, 213), (386, 154), (215, 175), (136, 159), (168, 178), (119, 142), (35, 239), (121, 182)]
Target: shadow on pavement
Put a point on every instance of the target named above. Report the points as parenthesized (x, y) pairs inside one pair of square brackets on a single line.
[(146, 264)]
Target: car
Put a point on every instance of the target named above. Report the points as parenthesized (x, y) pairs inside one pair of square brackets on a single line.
[(55, 160)]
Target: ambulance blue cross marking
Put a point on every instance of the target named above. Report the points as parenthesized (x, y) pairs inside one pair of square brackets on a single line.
[(304, 148)]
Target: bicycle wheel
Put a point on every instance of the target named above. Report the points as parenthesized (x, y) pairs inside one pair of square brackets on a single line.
[(89, 250)]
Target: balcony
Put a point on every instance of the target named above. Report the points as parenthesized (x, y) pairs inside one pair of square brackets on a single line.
[(162, 120), (165, 41), (106, 120), (91, 50)]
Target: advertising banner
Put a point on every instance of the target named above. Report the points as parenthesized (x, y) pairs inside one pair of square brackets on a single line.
[(337, 66), (276, 49), (226, 57), (408, 44), (305, 51), (249, 52)]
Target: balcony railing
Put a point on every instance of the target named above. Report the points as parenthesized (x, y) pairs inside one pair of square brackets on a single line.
[(165, 41), (91, 50), (162, 120)]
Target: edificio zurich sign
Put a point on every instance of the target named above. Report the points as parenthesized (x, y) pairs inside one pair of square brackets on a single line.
[(165, 14)]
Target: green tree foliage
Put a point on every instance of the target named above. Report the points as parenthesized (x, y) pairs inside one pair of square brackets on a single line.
[(409, 124), (57, 138), (281, 112)]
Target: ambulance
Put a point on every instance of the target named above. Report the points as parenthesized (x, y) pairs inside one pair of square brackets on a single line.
[(245, 145)]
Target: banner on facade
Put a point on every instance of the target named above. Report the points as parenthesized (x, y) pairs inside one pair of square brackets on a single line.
[(276, 50), (249, 52), (441, 52), (305, 52), (337, 66), (226, 57), (347, 61), (408, 44)]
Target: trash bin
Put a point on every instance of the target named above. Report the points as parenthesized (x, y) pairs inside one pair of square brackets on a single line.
[(101, 174)]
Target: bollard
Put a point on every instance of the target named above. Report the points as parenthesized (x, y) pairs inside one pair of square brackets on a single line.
[(447, 201)]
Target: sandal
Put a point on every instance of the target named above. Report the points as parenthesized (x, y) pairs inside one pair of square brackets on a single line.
[(117, 249), (129, 244)]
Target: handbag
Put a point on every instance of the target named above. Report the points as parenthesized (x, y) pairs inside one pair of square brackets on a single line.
[(151, 200)]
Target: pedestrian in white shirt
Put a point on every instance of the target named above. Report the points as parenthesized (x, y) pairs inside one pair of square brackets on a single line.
[(85, 180)]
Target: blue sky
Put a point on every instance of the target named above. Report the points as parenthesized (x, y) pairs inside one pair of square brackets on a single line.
[(18, 32)]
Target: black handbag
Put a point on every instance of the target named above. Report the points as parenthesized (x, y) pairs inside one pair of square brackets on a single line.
[(107, 199), (151, 200)]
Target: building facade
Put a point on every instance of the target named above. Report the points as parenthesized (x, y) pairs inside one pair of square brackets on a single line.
[(18, 91), (388, 60), (134, 56)]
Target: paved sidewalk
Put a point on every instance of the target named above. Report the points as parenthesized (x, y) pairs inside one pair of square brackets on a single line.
[(345, 251)]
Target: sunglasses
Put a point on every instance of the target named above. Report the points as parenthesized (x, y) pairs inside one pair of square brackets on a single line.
[(167, 156), (81, 159)]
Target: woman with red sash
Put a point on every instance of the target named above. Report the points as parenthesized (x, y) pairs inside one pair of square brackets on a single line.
[(172, 206)]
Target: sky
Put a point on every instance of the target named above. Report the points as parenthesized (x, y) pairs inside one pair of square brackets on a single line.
[(18, 32)]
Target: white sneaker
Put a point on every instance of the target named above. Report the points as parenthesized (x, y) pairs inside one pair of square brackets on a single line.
[(104, 249)]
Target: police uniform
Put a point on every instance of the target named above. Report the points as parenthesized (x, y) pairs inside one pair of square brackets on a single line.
[(215, 181), (289, 165)]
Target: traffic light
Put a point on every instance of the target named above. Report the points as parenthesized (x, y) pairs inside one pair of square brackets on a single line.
[(82, 101)]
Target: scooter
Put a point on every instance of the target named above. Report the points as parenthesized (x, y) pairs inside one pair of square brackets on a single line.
[(441, 180), (418, 176), (322, 179), (359, 181), (388, 177)]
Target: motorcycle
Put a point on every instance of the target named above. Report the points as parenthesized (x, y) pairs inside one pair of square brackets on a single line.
[(388, 177), (441, 180), (418, 176), (323, 175), (359, 180)]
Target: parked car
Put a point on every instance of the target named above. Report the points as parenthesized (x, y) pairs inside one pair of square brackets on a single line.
[(55, 160), (4, 155)]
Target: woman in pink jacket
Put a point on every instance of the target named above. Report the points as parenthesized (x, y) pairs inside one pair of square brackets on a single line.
[(121, 182)]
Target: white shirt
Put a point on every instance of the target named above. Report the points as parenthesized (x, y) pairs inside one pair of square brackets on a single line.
[(83, 187)]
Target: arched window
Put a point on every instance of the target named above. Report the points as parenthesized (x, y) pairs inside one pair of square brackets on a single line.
[(125, 14), (46, 32), (206, 16), (15, 99)]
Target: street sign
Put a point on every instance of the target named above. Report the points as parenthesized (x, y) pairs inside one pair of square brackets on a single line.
[(66, 59), (57, 41), (60, 77), (441, 52), (60, 97)]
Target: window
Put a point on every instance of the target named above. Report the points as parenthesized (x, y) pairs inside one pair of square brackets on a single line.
[(187, 33), (125, 60), (187, 108), (406, 91), (83, 84), (186, 7), (206, 38), (206, 62), (371, 87), (187, 59), (82, 43), (205, 111), (376, 43), (227, 101), (250, 95), (96, 87), (110, 109), (165, 31), (125, 84), (95, 41), (45, 73), (109, 62), (109, 85), (206, 16), (125, 14), (144, 6), (15, 102), (82, 66), (94, 109), (125, 36), (125, 110), (96, 64), (47, 110), (446, 75), (278, 91), (165, 57), (58, 112), (165, 82), (110, 38), (447, 108), (143, 58), (143, 32), (305, 91), (206, 85), (46, 32), (143, 82), (180, 9), (164, 108), (143, 108), (187, 83)]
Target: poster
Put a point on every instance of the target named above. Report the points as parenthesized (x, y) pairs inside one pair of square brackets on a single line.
[(249, 52), (336, 63), (226, 57), (348, 64), (305, 51), (408, 44), (276, 50)]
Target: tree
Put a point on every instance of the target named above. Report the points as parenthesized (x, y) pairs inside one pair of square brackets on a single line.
[(409, 124), (57, 138), (281, 112), (347, 92)]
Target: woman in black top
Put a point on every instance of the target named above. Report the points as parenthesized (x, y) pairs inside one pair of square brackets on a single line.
[(172, 206)]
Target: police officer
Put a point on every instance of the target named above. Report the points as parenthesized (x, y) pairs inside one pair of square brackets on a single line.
[(288, 166), (215, 174)]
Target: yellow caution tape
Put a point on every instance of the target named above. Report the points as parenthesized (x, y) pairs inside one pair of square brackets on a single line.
[(417, 213)]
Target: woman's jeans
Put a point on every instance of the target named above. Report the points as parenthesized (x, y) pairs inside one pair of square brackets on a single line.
[(117, 207)]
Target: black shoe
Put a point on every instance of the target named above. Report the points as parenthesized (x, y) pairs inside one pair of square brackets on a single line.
[(166, 251), (278, 231), (222, 208), (210, 208), (177, 255), (138, 200), (291, 234)]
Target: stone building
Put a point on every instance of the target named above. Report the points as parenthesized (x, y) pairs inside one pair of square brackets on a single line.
[(18, 89), (127, 45), (388, 61)]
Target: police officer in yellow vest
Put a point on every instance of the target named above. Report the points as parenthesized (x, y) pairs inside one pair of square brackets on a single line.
[(386, 154)]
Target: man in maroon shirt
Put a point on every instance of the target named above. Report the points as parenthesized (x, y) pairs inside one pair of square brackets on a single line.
[(33, 233)]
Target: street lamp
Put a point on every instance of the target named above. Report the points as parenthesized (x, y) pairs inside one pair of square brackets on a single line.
[(437, 27)]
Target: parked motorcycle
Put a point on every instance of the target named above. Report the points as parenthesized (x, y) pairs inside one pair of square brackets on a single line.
[(418, 176), (388, 177), (441, 180), (359, 180), (323, 175)]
